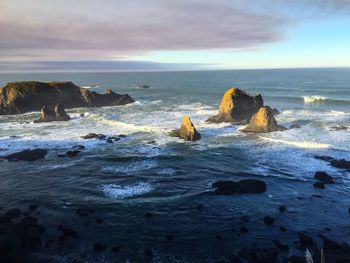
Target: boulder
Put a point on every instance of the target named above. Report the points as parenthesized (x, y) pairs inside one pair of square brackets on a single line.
[(25, 96), (237, 106), (143, 86), (263, 121), (187, 130), (342, 163), (26, 155), (53, 113), (241, 187)]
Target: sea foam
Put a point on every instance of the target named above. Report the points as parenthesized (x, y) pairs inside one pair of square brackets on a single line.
[(115, 191), (313, 99)]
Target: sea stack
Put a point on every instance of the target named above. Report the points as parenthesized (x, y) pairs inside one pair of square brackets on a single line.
[(187, 130), (237, 106), (263, 121), (56, 113), (25, 96)]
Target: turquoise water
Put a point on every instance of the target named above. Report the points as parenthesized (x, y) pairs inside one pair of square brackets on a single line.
[(150, 171)]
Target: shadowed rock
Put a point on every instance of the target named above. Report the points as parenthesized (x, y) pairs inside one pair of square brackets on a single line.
[(21, 97), (241, 187), (237, 106), (187, 130), (26, 155), (263, 121), (53, 113), (342, 163), (324, 177)]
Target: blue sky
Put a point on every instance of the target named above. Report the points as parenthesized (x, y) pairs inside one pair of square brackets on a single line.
[(173, 34)]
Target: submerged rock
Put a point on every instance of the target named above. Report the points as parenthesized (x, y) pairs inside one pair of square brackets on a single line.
[(236, 106), (324, 177), (53, 113), (295, 126), (263, 121), (342, 163), (241, 187), (21, 97), (187, 130), (143, 86), (26, 155)]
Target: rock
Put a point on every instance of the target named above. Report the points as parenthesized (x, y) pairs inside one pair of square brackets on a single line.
[(21, 97), (339, 128), (53, 113), (319, 185), (236, 106), (283, 229), (305, 240), (263, 121), (324, 177), (324, 158), (109, 140), (90, 136), (343, 164), (143, 86), (280, 245), (26, 155), (282, 208), (99, 247), (33, 207), (275, 111), (241, 187), (148, 215), (295, 126), (269, 220), (78, 147), (243, 230), (187, 130), (115, 249), (13, 213)]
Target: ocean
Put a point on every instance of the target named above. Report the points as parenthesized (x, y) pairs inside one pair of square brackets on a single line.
[(170, 179)]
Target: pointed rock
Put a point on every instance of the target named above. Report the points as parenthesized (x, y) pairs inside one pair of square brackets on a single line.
[(263, 121), (187, 130), (236, 106), (50, 113)]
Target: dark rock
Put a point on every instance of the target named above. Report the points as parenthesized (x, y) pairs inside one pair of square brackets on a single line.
[(343, 164), (121, 136), (263, 121), (283, 229), (66, 232), (241, 187), (319, 185), (109, 140), (295, 126), (280, 246), (13, 213), (148, 215), (21, 97), (339, 128), (99, 220), (236, 106), (201, 206), (143, 86), (275, 111), (53, 113), (268, 220), (115, 248), (82, 115), (90, 136), (71, 153), (324, 177), (282, 208), (187, 130), (243, 229), (99, 247), (148, 252), (324, 158), (26, 155), (33, 207), (305, 240)]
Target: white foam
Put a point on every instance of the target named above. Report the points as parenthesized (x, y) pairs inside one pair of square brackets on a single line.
[(91, 87), (115, 191), (313, 99), (132, 168), (300, 144)]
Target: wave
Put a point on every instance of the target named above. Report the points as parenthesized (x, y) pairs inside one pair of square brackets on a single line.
[(115, 191), (313, 99), (299, 144), (91, 87), (132, 168)]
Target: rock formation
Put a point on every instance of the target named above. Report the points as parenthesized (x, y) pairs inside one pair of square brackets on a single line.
[(50, 113), (187, 130), (236, 106), (26, 155), (21, 97), (242, 187), (263, 121)]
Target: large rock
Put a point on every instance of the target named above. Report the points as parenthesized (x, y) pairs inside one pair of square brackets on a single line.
[(53, 113), (236, 106), (26, 155), (241, 187), (263, 121), (21, 97), (187, 130)]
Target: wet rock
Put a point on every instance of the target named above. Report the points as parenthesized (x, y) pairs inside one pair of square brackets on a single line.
[(72, 153), (121, 136), (187, 131), (324, 177), (338, 128), (343, 164), (305, 240), (241, 187), (25, 96), (324, 158), (99, 247), (275, 111), (280, 245), (143, 86), (90, 136), (295, 126), (66, 233), (236, 106), (263, 121), (283, 229), (109, 140), (269, 220), (26, 155), (33, 207), (13, 213), (319, 185), (53, 113)]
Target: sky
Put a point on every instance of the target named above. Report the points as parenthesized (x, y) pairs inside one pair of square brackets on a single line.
[(141, 35)]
